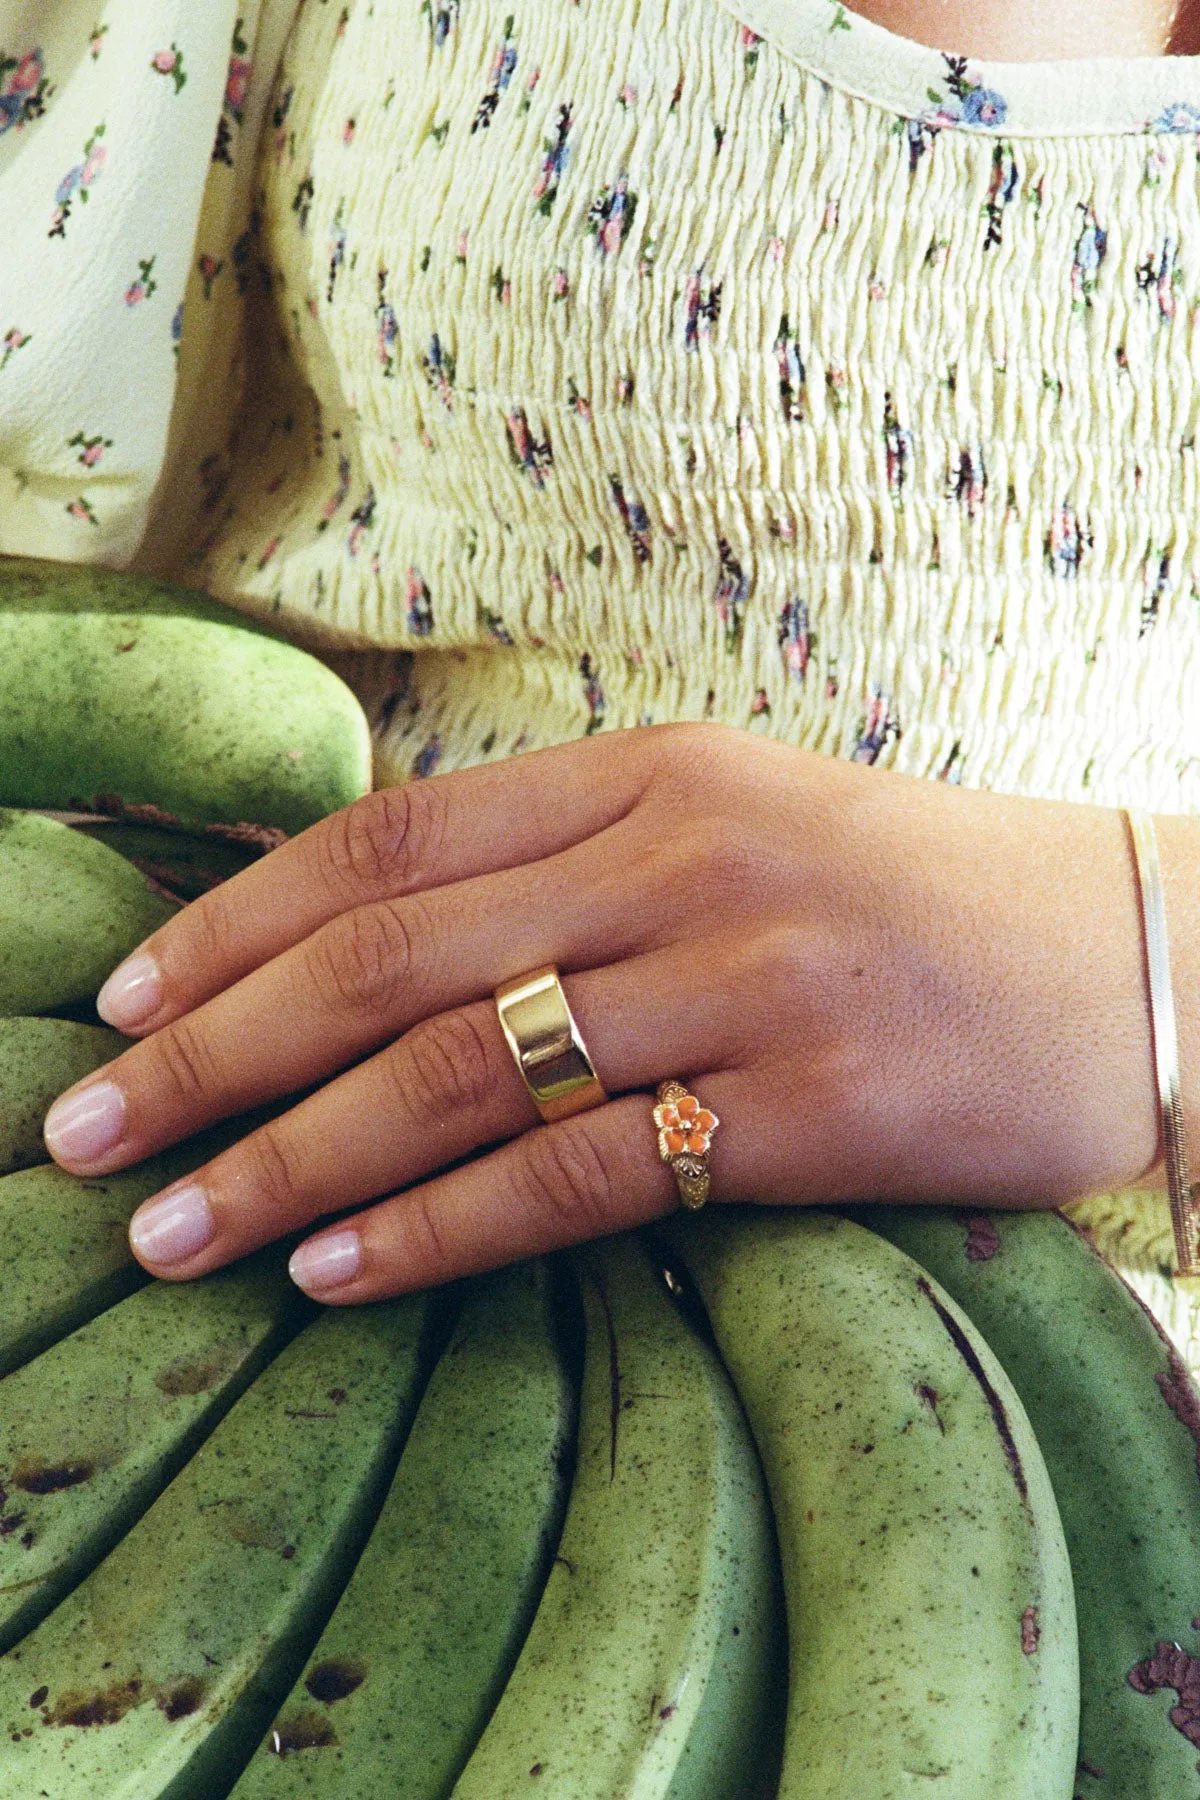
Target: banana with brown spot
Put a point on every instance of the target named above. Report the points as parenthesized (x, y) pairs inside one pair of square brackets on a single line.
[(930, 1606), (1118, 1420)]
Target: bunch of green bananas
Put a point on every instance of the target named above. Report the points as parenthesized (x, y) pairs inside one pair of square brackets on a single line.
[(794, 1504)]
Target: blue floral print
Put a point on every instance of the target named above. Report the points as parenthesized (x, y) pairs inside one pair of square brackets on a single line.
[(417, 604), (633, 517), (730, 595), (796, 641), (504, 63), (968, 102), (611, 215), (77, 183), (1181, 117), (554, 162), (876, 729)]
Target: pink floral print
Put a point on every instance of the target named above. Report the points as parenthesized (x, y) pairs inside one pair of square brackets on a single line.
[(967, 101), (877, 729), (796, 641), (702, 309), (170, 62), (730, 596), (13, 340), (611, 215), (532, 457), (237, 87), (144, 283), (386, 328), (24, 90), (418, 607), (77, 183), (504, 62), (90, 449), (209, 267), (554, 162)]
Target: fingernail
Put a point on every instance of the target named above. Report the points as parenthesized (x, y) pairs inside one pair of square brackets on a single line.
[(132, 993), (84, 1126), (173, 1227), (326, 1262)]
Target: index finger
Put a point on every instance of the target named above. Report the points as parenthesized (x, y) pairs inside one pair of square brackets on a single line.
[(394, 841)]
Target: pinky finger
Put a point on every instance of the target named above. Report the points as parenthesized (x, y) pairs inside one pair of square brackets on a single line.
[(584, 1177)]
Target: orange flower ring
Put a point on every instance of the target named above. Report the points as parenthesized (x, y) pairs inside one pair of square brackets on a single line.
[(685, 1131)]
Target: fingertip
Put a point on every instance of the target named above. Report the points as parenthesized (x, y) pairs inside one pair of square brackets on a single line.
[(86, 1125), (132, 994), (172, 1228), (324, 1263)]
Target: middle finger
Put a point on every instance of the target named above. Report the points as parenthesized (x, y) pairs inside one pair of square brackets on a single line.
[(358, 981), (446, 1089)]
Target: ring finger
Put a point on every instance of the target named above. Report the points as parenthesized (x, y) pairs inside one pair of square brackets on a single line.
[(447, 1088), (352, 985)]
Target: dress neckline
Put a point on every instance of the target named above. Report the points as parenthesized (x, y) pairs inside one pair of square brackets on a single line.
[(1093, 97)]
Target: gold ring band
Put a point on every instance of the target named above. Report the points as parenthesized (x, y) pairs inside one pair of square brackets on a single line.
[(546, 1045), (685, 1130)]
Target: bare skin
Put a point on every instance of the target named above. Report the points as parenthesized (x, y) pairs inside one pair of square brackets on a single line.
[(883, 987), (1042, 30)]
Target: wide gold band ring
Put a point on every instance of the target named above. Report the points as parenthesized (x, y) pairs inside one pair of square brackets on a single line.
[(546, 1045)]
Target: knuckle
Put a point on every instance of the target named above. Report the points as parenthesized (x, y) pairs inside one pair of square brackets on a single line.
[(276, 1180), (384, 841), (565, 1182), (445, 1066), (363, 961), (211, 929), (187, 1063), (695, 752), (432, 1250)]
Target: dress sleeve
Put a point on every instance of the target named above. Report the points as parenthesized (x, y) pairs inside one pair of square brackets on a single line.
[(124, 132)]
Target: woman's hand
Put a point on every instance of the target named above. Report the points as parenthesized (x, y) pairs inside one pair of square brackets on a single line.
[(882, 986)]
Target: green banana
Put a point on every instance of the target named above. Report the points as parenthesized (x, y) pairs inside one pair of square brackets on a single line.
[(38, 1059), (66, 1243), (932, 1623), (70, 909), (1118, 1421), (92, 1429), (661, 1609), (157, 1675), (406, 1673), (118, 685)]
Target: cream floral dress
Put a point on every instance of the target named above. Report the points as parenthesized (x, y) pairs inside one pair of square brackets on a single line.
[(560, 365)]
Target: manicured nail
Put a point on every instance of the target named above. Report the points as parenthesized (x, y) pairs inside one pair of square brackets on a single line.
[(326, 1262), (173, 1227), (132, 993), (84, 1126)]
